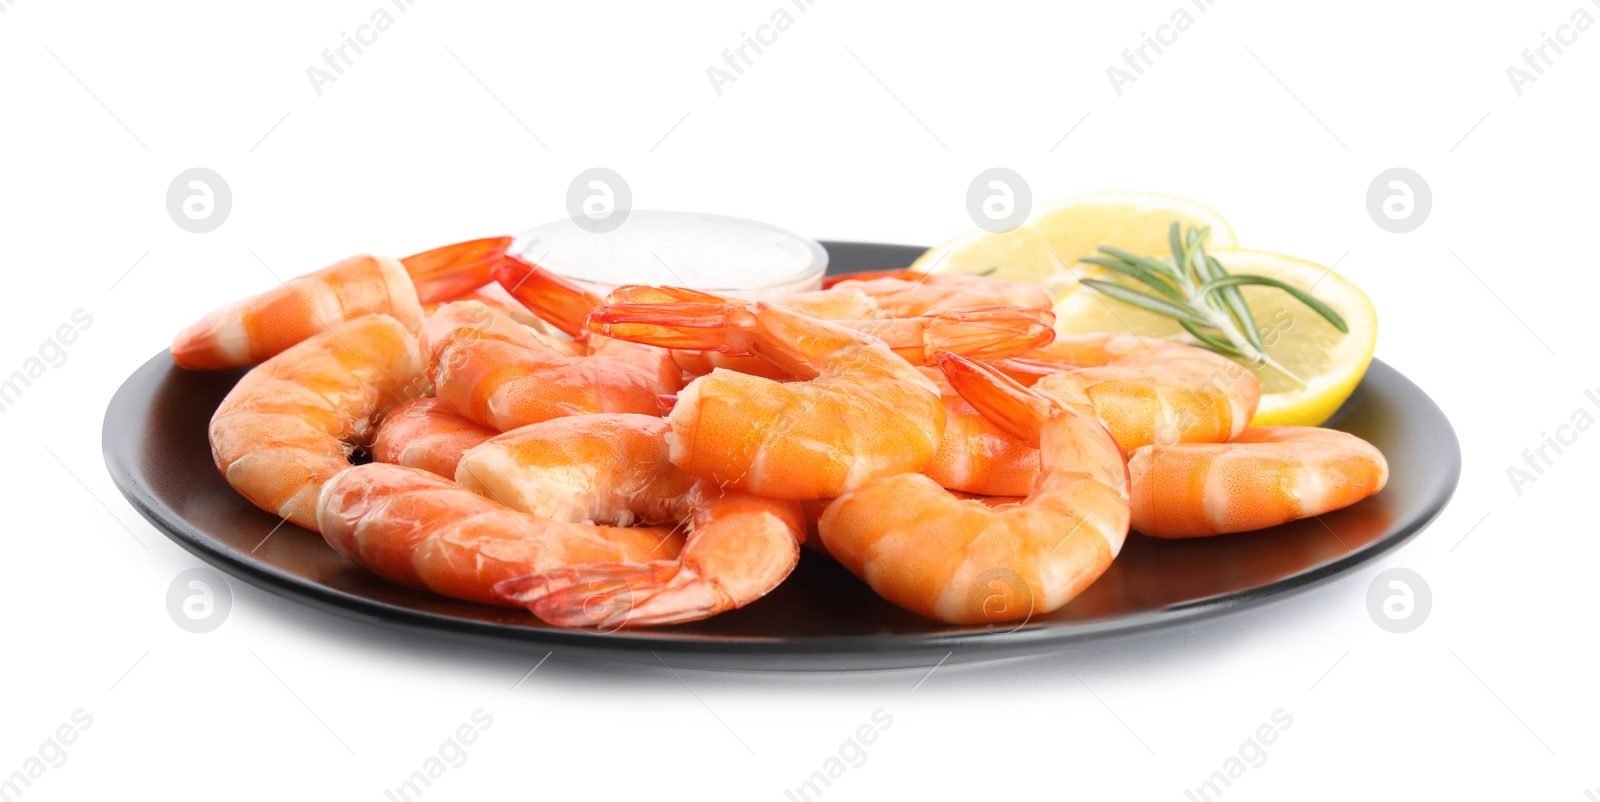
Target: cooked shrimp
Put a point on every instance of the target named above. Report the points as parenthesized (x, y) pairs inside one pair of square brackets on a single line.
[(548, 296), (256, 328), (452, 272), (1264, 477), (965, 561), (906, 293), (981, 332), (857, 413), (424, 531), (510, 309), (1145, 391), (739, 548), (427, 433), (292, 421), (565, 306), (975, 455), (602, 468), (837, 304), (501, 374), (615, 469)]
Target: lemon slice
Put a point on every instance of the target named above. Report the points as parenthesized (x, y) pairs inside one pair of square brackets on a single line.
[(1329, 362), (1045, 250)]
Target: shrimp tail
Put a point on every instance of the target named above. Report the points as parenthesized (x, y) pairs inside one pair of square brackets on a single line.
[(607, 596), (741, 548), (552, 298), (1017, 410), (451, 271), (986, 332), (1027, 370), (695, 325)]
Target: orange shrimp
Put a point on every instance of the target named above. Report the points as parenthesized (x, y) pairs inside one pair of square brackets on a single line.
[(608, 468), (421, 530), (1264, 477), (975, 455), (739, 548), (427, 433), (615, 469), (565, 306), (451, 272), (292, 421), (907, 293), (966, 561), (501, 374), (857, 413), (515, 311), (987, 332), (260, 327), (1146, 391), (256, 328)]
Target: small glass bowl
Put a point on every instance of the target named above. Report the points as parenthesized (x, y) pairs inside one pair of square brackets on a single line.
[(725, 255)]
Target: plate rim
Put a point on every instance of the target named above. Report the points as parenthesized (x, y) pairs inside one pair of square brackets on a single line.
[(784, 654)]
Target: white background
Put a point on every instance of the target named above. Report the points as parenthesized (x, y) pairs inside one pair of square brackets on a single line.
[(858, 123)]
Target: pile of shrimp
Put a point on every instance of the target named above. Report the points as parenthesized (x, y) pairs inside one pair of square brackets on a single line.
[(466, 422)]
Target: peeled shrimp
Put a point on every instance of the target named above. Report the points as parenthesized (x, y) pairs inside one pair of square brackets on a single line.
[(965, 561), (602, 468), (256, 328), (566, 306), (1146, 391), (500, 374), (975, 455), (739, 548), (427, 433), (615, 469), (985, 332), (292, 421), (1264, 477), (515, 311), (424, 531), (858, 412), (906, 293)]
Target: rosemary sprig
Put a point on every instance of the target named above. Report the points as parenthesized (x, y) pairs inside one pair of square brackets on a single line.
[(1194, 289)]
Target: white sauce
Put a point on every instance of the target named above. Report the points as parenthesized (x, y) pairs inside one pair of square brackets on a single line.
[(684, 249)]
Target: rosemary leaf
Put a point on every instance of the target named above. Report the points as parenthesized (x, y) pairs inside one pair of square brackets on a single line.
[(1210, 342), (1175, 242), (1145, 301), (1234, 301), (1141, 273), (1176, 274), (1300, 295)]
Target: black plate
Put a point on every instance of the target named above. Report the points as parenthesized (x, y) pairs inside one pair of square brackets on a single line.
[(821, 618)]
